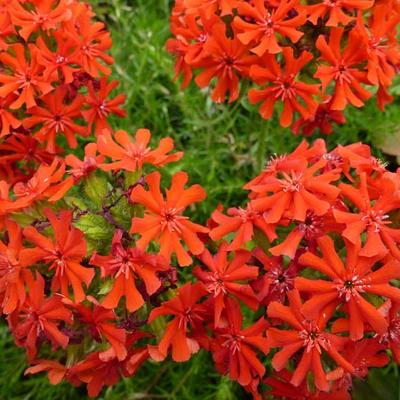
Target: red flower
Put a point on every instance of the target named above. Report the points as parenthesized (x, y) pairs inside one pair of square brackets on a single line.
[(93, 41), (322, 120), (61, 60), (64, 253), (101, 324), (226, 59), (91, 162), (222, 278), (209, 7), (303, 189), (281, 387), (56, 371), (57, 118), (127, 265), (277, 281), (348, 282), (335, 9), (284, 86), (234, 349), (306, 335), (25, 80), (188, 316), (39, 315), (371, 217), (101, 107), (343, 69), (15, 277), (7, 119), (164, 221), (131, 155), (46, 15), (47, 183), (391, 339), (265, 24), (97, 371), (242, 223)]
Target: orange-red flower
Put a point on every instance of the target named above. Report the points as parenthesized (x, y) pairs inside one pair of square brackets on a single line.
[(25, 78), (235, 348), (101, 107), (225, 59), (343, 68), (56, 118), (188, 315), (64, 253), (15, 277), (227, 277), (164, 221), (259, 25), (241, 222), (308, 336), (284, 86), (348, 281), (46, 15), (130, 155), (303, 189), (337, 10), (128, 265), (371, 217), (39, 315)]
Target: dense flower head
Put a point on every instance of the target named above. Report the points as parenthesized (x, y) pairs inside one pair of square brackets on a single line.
[(305, 51), (54, 77)]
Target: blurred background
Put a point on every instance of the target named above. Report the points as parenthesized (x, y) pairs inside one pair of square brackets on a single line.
[(225, 146)]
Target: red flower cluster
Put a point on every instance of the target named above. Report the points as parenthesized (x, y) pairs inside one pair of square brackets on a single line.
[(54, 86), (313, 57)]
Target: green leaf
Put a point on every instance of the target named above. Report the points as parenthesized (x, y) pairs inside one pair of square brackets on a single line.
[(96, 188), (95, 227)]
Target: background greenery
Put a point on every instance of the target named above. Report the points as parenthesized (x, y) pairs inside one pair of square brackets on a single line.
[(225, 145)]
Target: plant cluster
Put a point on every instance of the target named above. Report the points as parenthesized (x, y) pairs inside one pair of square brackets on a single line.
[(102, 269), (313, 58)]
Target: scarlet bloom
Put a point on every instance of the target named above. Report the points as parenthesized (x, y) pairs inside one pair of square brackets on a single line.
[(226, 59), (64, 253), (39, 315), (180, 332), (265, 23), (25, 80), (60, 61), (93, 41), (281, 386), (277, 280), (91, 162), (55, 118), (46, 15), (101, 324), (47, 183), (97, 371), (371, 217), (241, 222), (323, 119), (347, 285), (209, 7), (223, 278), (164, 221), (130, 155), (56, 371), (336, 11), (101, 107), (293, 194), (128, 265), (7, 119), (235, 349), (343, 69), (15, 277), (284, 86), (308, 336), (391, 339)]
